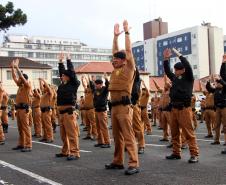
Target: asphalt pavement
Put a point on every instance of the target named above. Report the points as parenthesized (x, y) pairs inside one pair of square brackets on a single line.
[(41, 167)]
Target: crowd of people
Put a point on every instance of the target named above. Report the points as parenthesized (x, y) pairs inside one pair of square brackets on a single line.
[(127, 97)]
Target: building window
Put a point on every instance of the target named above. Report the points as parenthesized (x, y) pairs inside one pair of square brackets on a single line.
[(165, 43), (186, 48), (195, 67), (39, 74), (9, 75), (179, 39)]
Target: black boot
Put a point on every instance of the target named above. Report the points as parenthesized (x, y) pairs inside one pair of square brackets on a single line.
[(5, 128), (54, 127)]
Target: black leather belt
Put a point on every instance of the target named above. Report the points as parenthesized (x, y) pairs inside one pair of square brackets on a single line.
[(46, 109), (143, 107), (68, 110)]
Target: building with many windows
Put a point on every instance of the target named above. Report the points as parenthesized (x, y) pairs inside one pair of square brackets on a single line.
[(45, 50), (138, 53), (201, 45)]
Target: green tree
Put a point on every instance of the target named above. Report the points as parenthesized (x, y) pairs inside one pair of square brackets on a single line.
[(11, 17)]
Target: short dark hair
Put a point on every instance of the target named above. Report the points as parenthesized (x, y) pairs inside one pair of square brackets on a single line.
[(120, 55), (25, 76), (98, 81), (179, 66)]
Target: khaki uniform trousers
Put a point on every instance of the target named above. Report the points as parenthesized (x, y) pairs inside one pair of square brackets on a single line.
[(13, 114), (24, 128), (145, 120), (220, 119), (210, 118), (82, 112), (47, 125), (2, 136), (165, 120), (195, 123), (138, 126), (102, 128), (121, 118), (37, 121), (91, 123), (5, 118), (69, 134), (182, 119)]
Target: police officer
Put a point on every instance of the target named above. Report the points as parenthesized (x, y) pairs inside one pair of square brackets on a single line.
[(66, 99), (2, 136), (23, 108), (180, 96), (220, 102), (89, 110), (120, 88), (100, 93), (4, 108), (37, 113), (143, 105), (46, 111)]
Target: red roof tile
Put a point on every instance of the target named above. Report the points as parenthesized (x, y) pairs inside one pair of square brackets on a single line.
[(160, 82), (97, 67)]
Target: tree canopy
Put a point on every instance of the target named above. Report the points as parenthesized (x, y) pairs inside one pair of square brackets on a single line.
[(9, 17)]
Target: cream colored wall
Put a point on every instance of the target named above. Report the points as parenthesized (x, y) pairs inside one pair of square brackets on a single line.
[(10, 86)]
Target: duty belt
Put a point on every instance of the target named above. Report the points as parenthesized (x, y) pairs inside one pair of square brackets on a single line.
[(45, 109), (100, 109), (22, 106), (3, 107), (143, 107), (68, 110), (180, 105), (124, 101), (210, 108)]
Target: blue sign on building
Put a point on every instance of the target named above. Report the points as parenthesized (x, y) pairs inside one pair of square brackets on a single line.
[(181, 42), (138, 54)]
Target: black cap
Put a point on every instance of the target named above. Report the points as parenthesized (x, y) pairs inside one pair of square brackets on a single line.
[(98, 81), (120, 54), (179, 66), (25, 76)]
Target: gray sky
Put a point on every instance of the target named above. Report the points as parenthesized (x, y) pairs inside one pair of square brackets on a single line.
[(92, 21)]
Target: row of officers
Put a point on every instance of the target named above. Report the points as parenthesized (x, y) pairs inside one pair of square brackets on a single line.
[(128, 103)]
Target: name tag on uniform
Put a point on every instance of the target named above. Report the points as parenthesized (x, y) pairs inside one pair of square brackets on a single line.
[(97, 93)]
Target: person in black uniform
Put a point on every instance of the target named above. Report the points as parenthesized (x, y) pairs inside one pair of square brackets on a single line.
[(100, 93), (66, 100), (220, 102), (180, 96)]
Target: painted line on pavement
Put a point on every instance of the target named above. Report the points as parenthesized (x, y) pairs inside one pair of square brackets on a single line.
[(57, 146), (39, 178), (155, 145), (206, 140)]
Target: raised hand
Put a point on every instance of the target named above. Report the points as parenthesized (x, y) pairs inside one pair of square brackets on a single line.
[(176, 52), (117, 32), (16, 63), (125, 26), (68, 56), (61, 57), (167, 53)]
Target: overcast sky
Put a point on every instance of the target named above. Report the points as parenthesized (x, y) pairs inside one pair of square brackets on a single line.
[(92, 21)]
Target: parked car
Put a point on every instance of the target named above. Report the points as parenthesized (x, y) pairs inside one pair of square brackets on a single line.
[(198, 110), (149, 111)]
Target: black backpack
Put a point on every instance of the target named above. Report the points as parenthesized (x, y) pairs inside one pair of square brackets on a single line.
[(136, 87)]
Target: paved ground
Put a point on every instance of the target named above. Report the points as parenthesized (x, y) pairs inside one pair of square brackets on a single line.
[(41, 167)]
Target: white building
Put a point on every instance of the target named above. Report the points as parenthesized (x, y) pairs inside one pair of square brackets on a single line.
[(45, 50), (201, 45)]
